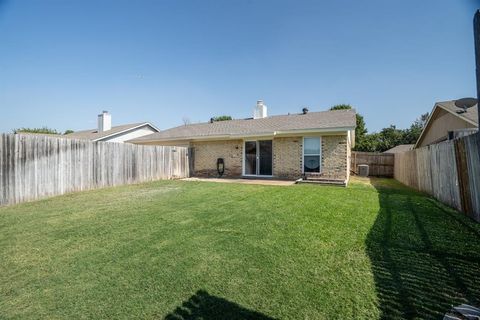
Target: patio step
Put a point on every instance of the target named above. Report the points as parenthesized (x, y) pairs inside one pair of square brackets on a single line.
[(323, 181)]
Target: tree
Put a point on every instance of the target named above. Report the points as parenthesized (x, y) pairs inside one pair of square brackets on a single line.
[(390, 137), (360, 130), (43, 130), (186, 120), (412, 134), (369, 143), (68, 131), (221, 118), (341, 107)]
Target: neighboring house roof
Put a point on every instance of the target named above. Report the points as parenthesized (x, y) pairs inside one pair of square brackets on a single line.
[(95, 135), (338, 120), (400, 148), (471, 116)]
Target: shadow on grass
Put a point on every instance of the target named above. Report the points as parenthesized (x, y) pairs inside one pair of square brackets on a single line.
[(425, 257), (205, 306)]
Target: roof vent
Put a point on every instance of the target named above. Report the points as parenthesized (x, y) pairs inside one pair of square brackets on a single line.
[(305, 110)]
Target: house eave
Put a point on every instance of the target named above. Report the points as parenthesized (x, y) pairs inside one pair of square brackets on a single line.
[(282, 133), (429, 120), (127, 130)]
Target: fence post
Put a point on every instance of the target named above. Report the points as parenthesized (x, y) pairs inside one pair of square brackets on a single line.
[(191, 161), (462, 173), (476, 32)]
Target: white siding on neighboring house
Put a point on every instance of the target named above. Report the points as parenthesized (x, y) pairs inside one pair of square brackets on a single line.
[(131, 134)]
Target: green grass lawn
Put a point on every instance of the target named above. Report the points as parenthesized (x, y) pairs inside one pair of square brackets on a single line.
[(201, 250)]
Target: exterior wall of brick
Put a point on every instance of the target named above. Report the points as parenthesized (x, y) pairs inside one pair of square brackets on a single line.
[(287, 157), (335, 157), (207, 153)]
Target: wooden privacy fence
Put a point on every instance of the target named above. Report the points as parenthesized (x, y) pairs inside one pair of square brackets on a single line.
[(33, 167), (449, 171), (380, 164)]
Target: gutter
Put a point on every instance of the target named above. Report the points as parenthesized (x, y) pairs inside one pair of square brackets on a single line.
[(126, 130), (242, 136)]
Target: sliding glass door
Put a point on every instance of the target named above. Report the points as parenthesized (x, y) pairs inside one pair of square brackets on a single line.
[(258, 158), (265, 157), (250, 157)]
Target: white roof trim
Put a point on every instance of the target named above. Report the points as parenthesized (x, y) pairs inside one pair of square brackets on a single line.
[(439, 105), (458, 115), (127, 130)]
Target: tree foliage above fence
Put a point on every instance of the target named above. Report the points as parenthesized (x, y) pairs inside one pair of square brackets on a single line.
[(42, 130), (390, 137), (386, 138)]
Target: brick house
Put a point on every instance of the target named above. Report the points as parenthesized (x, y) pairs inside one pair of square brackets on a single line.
[(284, 146)]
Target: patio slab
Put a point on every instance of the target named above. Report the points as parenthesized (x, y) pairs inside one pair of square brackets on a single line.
[(266, 182)]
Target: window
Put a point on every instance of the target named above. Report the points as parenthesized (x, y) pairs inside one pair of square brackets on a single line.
[(311, 154)]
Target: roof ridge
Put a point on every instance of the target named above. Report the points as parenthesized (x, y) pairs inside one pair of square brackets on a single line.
[(121, 125), (327, 120), (268, 117)]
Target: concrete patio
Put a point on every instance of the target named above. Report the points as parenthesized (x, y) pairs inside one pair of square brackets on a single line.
[(266, 182)]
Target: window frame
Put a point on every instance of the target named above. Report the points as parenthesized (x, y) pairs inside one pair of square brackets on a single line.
[(312, 154)]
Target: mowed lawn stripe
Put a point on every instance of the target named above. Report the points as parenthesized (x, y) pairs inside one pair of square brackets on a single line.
[(298, 252)]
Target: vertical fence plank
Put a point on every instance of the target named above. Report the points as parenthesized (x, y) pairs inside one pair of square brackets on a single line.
[(34, 167), (472, 146), (380, 164), (449, 171)]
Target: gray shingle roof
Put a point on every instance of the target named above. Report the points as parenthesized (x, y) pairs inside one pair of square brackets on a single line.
[(93, 134), (471, 114), (321, 121), (400, 148)]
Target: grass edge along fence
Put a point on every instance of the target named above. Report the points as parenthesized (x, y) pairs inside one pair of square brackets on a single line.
[(449, 171), (34, 166)]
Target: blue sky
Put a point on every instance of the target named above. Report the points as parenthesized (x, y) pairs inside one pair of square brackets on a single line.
[(62, 62)]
